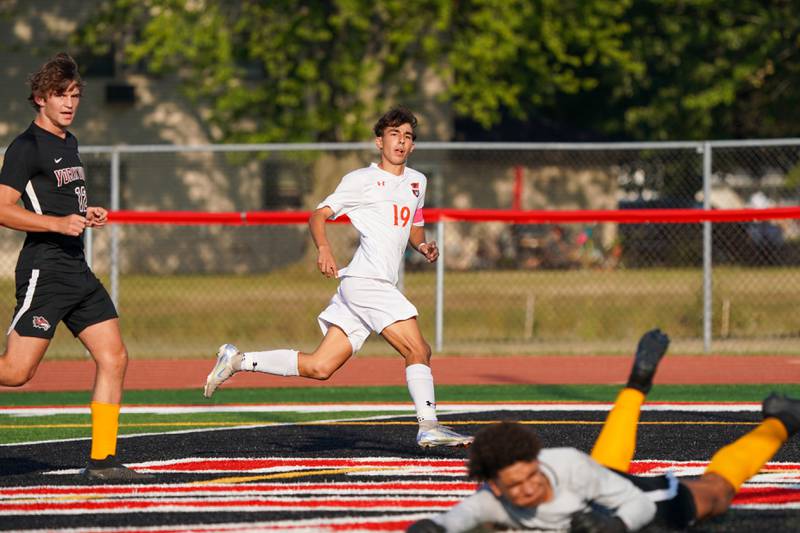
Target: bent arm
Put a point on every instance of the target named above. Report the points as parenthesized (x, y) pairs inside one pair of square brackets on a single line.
[(480, 508), (15, 217), (417, 241), (615, 492), (316, 225), (416, 237)]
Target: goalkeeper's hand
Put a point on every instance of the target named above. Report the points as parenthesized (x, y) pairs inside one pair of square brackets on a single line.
[(425, 526), (653, 342), (596, 522)]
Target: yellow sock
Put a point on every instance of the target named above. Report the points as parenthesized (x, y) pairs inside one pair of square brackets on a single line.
[(616, 444), (742, 459), (105, 424)]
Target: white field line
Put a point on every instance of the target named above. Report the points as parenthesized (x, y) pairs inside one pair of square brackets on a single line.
[(430, 505), (766, 506), (202, 430), (465, 407), (399, 466), (450, 408)]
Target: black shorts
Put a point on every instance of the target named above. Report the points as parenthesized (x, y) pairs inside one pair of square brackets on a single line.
[(45, 297), (675, 506)]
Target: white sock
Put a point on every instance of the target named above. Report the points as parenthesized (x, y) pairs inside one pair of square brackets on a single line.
[(420, 386), (278, 362)]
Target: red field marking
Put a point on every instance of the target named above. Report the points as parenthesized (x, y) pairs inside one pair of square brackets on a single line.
[(365, 371), (304, 525), (770, 495), (397, 502), (227, 488), (248, 505), (650, 466)]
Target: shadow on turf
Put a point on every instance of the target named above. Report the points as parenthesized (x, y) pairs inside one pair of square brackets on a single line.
[(14, 466)]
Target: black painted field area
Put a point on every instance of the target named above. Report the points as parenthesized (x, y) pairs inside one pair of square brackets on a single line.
[(347, 476)]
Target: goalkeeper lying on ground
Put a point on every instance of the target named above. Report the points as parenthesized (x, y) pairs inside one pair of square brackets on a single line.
[(527, 487)]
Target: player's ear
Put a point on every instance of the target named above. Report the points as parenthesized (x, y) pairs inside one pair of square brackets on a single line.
[(494, 488), (379, 142)]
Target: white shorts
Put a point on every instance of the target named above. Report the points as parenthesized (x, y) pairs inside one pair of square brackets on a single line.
[(363, 305)]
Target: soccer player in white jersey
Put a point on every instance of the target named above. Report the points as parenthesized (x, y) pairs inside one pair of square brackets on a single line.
[(563, 489), (384, 203)]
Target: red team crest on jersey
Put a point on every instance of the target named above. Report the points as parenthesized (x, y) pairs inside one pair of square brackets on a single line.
[(41, 322), (415, 188)]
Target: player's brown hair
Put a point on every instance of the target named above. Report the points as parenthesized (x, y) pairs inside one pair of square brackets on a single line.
[(396, 116), (501, 445), (54, 77)]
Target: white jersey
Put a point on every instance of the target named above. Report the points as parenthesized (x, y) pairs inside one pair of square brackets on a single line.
[(382, 207), (577, 482)]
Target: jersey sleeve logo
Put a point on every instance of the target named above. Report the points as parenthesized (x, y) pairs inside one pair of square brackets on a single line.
[(415, 188)]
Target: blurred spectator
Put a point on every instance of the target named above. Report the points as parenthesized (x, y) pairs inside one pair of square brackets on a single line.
[(558, 252)]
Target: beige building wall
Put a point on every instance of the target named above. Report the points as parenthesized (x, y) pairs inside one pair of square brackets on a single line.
[(205, 181)]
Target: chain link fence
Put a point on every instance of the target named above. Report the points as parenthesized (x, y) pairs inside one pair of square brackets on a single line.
[(504, 288)]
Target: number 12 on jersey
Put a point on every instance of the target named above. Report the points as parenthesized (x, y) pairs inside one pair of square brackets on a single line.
[(83, 202), (401, 215)]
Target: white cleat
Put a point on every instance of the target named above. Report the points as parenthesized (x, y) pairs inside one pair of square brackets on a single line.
[(442, 436), (229, 361)]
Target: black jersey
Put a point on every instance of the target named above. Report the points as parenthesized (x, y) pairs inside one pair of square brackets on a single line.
[(48, 172)]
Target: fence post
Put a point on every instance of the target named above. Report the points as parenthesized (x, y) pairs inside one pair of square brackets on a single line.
[(440, 287), (707, 313), (115, 164)]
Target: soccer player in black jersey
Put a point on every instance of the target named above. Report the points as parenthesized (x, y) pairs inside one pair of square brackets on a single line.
[(54, 282)]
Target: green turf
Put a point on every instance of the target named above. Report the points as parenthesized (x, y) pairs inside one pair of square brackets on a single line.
[(445, 393), (29, 429), (39, 428)]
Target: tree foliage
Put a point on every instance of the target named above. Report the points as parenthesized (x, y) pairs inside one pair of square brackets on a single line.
[(292, 70), (714, 69)]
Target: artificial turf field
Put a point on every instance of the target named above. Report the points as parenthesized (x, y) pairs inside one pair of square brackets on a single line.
[(291, 463)]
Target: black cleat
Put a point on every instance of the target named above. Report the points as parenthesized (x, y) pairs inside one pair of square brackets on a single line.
[(110, 469), (652, 347), (785, 409)]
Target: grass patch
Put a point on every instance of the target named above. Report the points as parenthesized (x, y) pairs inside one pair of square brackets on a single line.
[(74, 426), (566, 311), (444, 393), (55, 427)]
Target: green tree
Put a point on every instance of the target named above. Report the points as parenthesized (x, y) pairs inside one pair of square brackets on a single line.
[(713, 70), (296, 70), (292, 70)]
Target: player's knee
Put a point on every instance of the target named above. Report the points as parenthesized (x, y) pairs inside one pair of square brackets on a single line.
[(320, 371), (114, 361), (17, 377), (718, 494), (722, 498), (719, 503), (419, 354)]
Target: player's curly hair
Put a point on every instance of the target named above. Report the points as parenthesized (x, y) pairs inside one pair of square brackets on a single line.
[(395, 117), (501, 445), (54, 77)]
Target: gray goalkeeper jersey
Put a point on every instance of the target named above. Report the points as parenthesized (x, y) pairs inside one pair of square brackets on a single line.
[(577, 481)]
